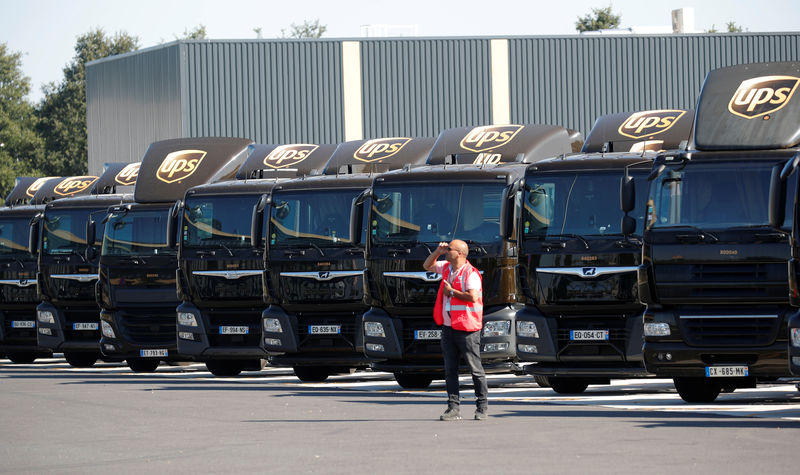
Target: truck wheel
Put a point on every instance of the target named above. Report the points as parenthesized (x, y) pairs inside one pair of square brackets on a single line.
[(568, 385), (542, 381), (311, 374), (225, 367), (142, 365), (413, 381), (697, 389), (81, 359), (22, 357)]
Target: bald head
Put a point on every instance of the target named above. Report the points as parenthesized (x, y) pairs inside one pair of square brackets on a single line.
[(460, 246)]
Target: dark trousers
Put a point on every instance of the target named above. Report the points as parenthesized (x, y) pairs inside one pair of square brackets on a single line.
[(457, 344)]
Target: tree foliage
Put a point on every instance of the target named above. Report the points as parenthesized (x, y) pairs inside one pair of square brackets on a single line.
[(62, 111), (599, 19), (730, 27), (198, 33), (20, 145), (309, 29)]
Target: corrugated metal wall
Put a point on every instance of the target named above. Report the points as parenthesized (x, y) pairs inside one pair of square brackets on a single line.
[(571, 80), (420, 87), (282, 91), (132, 100), (267, 91)]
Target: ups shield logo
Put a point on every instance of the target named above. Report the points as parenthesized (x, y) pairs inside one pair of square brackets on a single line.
[(649, 123), (74, 184), (763, 95), (127, 176), (288, 155), (489, 137), (380, 149), (179, 165), (35, 186)]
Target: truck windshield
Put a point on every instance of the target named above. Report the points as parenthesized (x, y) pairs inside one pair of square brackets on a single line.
[(211, 220), (137, 233), (320, 217), (583, 204), (64, 231), (436, 212), (14, 236), (714, 195)]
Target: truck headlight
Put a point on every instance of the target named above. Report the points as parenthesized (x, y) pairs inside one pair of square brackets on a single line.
[(46, 331), (374, 329), (272, 342), (490, 347), (46, 316), (272, 325), (497, 328), (527, 348), (656, 329), (527, 329), (375, 346), (187, 319), (186, 335), (107, 330), (795, 336)]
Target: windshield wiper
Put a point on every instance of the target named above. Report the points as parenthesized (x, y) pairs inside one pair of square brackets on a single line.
[(230, 253), (565, 235), (478, 246), (689, 237)]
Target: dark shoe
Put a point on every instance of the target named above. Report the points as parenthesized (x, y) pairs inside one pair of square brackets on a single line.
[(450, 415), (481, 414)]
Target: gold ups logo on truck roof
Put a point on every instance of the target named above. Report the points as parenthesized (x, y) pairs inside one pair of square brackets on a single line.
[(762, 95), (36, 185), (380, 149), (127, 176), (489, 137), (649, 123), (179, 165), (74, 184), (288, 155)]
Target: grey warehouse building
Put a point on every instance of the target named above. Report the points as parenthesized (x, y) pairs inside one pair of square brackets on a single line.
[(329, 91)]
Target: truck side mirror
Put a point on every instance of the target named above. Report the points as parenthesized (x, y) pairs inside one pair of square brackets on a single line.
[(628, 225), (508, 211), (627, 194), (172, 224), (357, 216), (777, 197), (33, 234), (257, 220), (90, 230)]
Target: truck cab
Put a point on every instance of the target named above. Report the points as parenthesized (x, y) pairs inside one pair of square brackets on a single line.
[(18, 268), (219, 277), (68, 248), (314, 271), (136, 287), (716, 239), (466, 191), (582, 320)]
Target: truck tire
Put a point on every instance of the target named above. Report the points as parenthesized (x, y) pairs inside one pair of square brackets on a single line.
[(697, 389), (312, 374), (81, 359), (542, 381), (563, 385), (143, 365), (22, 357), (413, 381), (225, 367)]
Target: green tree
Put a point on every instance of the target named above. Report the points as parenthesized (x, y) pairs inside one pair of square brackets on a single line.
[(198, 33), (730, 27), (599, 19), (309, 29), (20, 145), (62, 111)]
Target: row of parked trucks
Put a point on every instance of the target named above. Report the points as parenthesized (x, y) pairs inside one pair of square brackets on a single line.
[(657, 246)]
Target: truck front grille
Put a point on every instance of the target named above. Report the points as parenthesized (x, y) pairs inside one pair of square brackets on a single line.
[(729, 330)]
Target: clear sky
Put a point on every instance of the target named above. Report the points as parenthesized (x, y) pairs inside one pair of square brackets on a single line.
[(45, 30)]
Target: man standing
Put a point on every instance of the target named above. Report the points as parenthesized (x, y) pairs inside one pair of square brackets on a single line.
[(459, 308)]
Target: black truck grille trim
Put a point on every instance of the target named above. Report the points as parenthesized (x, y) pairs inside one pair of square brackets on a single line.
[(729, 330), (148, 329)]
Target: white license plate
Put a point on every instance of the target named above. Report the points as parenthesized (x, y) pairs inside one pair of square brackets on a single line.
[(85, 326), (584, 335), (231, 330), (23, 324), (153, 353), (324, 329), (727, 371), (427, 334)]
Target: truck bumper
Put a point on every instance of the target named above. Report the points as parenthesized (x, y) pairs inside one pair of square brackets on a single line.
[(555, 353), (78, 331), (297, 344), (205, 340), (122, 344), (794, 343), (392, 343)]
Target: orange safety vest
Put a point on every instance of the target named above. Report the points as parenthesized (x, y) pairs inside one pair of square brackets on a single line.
[(464, 316)]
